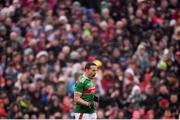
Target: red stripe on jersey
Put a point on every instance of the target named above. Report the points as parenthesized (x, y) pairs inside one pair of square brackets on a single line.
[(90, 90)]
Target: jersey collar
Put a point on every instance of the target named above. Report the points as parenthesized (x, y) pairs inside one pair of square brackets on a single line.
[(85, 76)]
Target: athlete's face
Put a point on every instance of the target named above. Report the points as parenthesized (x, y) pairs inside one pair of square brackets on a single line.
[(92, 71)]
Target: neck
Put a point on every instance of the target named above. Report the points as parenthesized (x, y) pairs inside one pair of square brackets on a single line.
[(86, 76)]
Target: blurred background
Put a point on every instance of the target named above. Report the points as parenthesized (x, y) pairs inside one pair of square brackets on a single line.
[(44, 45)]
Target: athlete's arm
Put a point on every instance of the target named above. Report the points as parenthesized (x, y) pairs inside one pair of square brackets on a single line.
[(78, 99)]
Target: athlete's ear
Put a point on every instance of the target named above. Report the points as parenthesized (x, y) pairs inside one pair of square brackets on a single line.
[(86, 70)]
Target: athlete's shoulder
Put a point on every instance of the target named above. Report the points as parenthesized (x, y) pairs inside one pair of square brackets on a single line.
[(81, 79)]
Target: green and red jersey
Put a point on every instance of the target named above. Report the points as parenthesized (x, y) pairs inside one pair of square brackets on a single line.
[(86, 88)]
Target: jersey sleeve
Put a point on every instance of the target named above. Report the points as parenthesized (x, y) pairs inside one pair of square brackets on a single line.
[(78, 87)]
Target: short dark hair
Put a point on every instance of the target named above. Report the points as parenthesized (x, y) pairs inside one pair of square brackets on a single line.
[(88, 65)]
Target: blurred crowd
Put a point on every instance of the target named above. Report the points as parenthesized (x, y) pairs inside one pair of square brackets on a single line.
[(44, 45)]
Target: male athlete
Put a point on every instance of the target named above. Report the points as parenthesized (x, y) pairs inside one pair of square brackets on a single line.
[(84, 94)]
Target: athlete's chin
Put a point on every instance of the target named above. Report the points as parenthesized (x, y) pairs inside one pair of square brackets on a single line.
[(92, 78)]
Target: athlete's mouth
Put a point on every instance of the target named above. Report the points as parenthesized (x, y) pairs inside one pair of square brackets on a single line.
[(93, 75)]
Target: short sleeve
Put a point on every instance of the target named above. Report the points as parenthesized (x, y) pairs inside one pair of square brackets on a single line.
[(78, 87)]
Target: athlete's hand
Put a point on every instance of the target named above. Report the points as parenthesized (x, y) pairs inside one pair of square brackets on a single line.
[(92, 104), (96, 99)]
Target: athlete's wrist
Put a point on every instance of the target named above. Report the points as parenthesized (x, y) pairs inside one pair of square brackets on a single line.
[(88, 103), (91, 103)]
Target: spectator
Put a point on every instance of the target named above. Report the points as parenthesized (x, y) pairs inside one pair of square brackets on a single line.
[(45, 44)]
